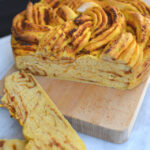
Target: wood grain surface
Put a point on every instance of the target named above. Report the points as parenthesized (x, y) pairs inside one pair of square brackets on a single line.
[(102, 112)]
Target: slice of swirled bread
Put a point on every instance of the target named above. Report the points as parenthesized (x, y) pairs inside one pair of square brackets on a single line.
[(12, 144), (44, 127)]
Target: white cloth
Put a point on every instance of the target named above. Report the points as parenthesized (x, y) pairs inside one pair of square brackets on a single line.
[(140, 136)]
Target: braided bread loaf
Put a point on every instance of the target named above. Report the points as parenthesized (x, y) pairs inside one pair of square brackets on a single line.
[(103, 42)]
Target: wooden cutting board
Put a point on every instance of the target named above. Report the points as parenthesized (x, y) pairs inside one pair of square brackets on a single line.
[(102, 112)]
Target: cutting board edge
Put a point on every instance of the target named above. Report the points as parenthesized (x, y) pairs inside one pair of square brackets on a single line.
[(139, 106), (114, 136)]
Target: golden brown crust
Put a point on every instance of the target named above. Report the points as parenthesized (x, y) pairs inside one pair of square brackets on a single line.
[(116, 31)]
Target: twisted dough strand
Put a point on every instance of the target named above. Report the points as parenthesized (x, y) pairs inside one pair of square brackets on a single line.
[(91, 30)]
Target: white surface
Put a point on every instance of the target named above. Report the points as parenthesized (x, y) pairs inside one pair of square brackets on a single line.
[(140, 136)]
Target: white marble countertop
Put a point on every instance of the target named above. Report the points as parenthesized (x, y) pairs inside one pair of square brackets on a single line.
[(140, 136)]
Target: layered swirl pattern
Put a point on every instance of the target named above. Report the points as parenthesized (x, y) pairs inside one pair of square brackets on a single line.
[(90, 30), (44, 126), (113, 32)]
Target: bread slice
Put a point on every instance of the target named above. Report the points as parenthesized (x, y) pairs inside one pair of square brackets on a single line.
[(44, 127), (12, 144)]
